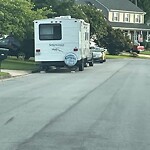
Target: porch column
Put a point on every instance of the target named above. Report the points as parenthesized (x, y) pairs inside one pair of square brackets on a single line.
[(135, 36), (129, 34), (140, 36), (147, 37)]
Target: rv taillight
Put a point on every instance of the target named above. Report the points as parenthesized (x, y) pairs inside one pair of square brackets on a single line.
[(37, 50), (75, 49)]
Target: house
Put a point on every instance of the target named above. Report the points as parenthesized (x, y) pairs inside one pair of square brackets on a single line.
[(124, 15)]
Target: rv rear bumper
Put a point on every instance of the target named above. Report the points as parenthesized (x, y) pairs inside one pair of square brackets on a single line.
[(46, 64)]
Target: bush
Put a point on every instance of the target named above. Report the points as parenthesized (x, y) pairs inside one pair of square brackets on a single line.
[(115, 41)]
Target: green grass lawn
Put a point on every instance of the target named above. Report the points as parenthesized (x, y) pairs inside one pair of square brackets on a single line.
[(146, 52), (15, 64), (127, 55)]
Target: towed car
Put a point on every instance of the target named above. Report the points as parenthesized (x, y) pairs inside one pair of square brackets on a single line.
[(99, 54)]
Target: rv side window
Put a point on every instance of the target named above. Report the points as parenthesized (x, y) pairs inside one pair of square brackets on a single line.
[(50, 32), (86, 36)]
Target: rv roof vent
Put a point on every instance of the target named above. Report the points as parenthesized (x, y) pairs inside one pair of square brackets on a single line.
[(63, 17)]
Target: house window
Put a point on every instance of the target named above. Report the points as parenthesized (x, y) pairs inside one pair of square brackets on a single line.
[(137, 18), (126, 17), (115, 16)]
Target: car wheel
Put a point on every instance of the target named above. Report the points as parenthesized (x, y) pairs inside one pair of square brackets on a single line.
[(101, 61), (91, 63)]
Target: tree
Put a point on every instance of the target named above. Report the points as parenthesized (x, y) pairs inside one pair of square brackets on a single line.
[(16, 16), (61, 8), (88, 13), (115, 41), (48, 5), (145, 6), (103, 33), (98, 24)]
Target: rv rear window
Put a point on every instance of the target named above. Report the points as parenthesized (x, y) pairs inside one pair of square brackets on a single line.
[(50, 32)]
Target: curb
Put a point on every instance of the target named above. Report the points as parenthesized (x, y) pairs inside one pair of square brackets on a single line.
[(14, 73)]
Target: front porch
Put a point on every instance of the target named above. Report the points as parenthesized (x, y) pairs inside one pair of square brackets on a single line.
[(138, 35), (136, 32)]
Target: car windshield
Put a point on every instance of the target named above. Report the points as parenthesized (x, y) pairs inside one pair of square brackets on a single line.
[(96, 49), (4, 41)]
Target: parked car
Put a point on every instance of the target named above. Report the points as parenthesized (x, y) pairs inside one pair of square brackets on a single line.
[(23, 50), (137, 47), (3, 54), (12, 44), (99, 54)]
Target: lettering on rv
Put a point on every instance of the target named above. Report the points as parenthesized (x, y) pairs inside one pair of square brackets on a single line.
[(56, 44), (57, 49)]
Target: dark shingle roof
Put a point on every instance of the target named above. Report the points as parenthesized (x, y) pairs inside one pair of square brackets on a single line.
[(130, 26), (113, 4)]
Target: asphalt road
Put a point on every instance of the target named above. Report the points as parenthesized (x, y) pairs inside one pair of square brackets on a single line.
[(106, 107)]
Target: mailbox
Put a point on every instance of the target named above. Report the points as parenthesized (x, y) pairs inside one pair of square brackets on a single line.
[(3, 53)]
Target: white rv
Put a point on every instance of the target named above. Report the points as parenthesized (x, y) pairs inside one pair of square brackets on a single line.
[(62, 41)]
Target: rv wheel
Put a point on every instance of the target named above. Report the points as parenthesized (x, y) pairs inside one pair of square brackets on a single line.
[(44, 68), (47, 69), (81, 65)]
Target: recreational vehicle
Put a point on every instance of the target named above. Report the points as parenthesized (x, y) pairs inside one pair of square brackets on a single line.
[(62, 42)]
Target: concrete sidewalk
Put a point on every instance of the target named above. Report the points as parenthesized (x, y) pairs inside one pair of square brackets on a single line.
[(15, 73), (142, 55)]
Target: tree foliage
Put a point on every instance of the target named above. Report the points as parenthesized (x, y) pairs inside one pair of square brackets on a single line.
[(115, 41), (145, 6), (60, 8), (88, 13), (16, 17), (97, 22)]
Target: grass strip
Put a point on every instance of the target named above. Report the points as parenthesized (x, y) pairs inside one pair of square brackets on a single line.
[(15, 64), (145, 52), (118, 56)]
